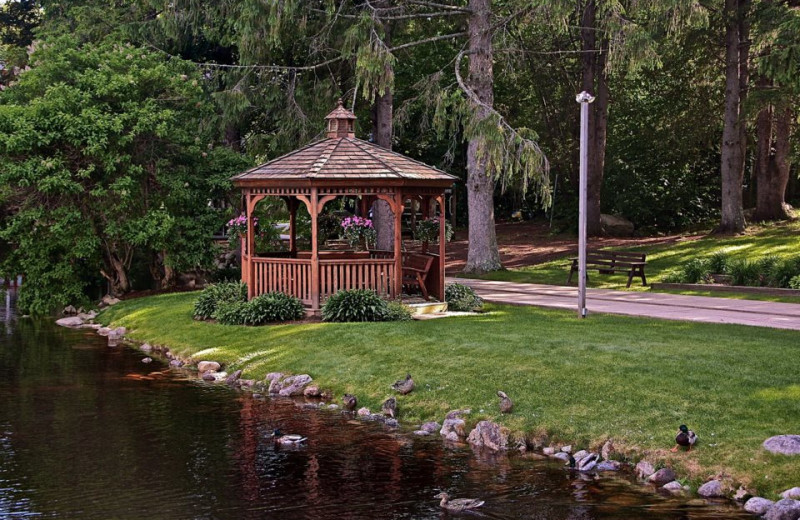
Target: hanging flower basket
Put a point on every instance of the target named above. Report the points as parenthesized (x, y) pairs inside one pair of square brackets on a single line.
[(237, 227), (358, 232), (427, 231)]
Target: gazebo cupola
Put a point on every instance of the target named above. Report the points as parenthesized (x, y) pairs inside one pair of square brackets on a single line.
[(341, 165), (340, 122)]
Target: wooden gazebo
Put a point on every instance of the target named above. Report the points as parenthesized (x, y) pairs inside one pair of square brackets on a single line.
[(341, 166)]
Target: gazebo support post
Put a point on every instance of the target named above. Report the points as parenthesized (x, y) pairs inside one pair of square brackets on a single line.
[(292, 203), (398, 245), (439, 291), (314, 250)]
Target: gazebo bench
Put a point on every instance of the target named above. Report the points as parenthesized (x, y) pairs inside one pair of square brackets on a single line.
[(415, 271), (611, 262)]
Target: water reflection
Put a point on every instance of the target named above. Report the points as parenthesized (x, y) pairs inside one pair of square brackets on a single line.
[(87, 431)]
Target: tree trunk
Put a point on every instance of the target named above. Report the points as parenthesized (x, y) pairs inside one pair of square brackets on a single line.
[(732, 167), (116, 274), (482, 255), (593, 81), (773, 164), (382, 216)]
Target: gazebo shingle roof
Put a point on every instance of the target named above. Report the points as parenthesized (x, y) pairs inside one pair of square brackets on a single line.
[(340, 159)]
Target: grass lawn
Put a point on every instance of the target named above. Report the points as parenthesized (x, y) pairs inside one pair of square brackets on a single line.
[(777, 239), (579, 381)]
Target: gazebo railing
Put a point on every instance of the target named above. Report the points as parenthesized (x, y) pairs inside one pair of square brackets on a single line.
[(294, 276), (287, 275), (369, 273)]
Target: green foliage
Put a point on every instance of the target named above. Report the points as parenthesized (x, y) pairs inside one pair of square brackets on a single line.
[(718, 262), (427, 230), (462, 298), (355, 305), (794, 283), (273, 307), (745, 272), (397, 311), (211, 297), (695, 271), (785, 271), (104, 155), (231, 313)]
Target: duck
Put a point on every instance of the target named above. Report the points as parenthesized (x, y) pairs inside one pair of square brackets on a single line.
[(389, 407), (350, 402), (287, 438), (506, 405), (685, 437), (457, 505), (404, 386)]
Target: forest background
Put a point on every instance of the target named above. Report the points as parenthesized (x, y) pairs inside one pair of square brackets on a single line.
[(121, 122)]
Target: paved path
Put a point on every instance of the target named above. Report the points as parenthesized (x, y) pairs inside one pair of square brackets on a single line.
[(648, 304)]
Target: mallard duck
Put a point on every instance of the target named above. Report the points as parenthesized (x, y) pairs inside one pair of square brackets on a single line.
[(685, 437), (506, 405), (287, 438), (350, 402), (404, 386), (389, 407), (457, 505)]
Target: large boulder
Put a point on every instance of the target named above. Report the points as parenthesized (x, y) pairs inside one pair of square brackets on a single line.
[(71, 322), (758, 505), (453, 429), (711, 489), (793, 493), (662, 476), (783, 444), (786, 509), (489, 435), (294, 385), (208, 366), (644, 469), (616, 226)]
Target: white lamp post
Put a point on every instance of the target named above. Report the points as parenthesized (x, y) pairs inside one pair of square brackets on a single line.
[(584, 98)]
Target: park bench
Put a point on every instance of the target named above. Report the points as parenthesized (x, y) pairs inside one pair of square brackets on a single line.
[(415, 271), (611, 262)]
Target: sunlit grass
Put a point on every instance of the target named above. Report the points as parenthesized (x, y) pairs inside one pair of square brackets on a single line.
[(777, 239), (634, 380)]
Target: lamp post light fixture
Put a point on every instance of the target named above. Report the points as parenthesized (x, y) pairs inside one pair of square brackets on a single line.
[(584, 98)]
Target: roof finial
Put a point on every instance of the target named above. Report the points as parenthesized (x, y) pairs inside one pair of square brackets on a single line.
[(340, 102)]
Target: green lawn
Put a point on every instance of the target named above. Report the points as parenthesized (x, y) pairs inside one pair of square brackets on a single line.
[(778, 239), (578, 381)]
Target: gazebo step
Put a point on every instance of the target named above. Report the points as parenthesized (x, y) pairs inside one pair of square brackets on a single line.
[(419, 309)]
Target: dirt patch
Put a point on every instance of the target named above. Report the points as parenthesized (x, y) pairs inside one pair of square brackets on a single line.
[(530, 243)]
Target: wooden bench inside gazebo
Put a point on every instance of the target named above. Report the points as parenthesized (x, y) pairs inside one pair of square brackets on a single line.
[(342, 166)]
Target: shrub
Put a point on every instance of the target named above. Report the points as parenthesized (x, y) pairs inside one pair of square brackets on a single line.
[(271, 307), (673, 276), (784, 271), (461, 298), (231, 313), (744, 272), (794, 283), (396, 311), (355, 305), (695, 271), (718, 262), (214, 295)]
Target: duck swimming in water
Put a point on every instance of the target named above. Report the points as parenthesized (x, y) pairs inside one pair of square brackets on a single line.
[(685, 438), (458, 505), (404, 386), (287, 438)]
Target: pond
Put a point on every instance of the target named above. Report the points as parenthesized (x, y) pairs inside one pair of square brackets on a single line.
[(88, 431)]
